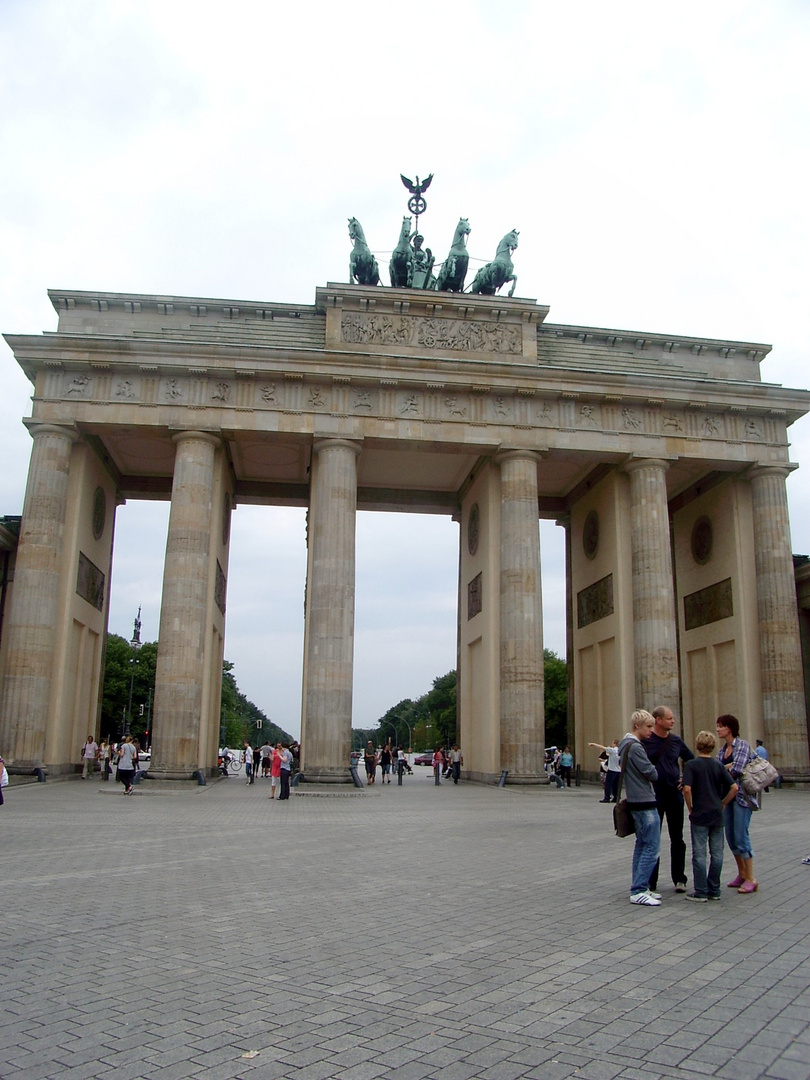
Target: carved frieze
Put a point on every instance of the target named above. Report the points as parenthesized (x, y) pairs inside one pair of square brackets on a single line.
[(708, 605), (90, 583), (454, 335), (220, 588), (434, 402), (595, 602), (475, 596)]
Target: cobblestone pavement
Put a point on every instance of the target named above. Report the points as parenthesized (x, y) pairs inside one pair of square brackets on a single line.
[(414, 932)]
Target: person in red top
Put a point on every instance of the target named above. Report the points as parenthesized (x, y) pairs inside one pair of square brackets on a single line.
[(275, 770), (438, 764)]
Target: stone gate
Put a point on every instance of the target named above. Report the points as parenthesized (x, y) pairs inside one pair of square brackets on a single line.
[(664, 457)]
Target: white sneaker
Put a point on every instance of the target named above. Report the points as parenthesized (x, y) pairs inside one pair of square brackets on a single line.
[(654, 895), (647, 899)]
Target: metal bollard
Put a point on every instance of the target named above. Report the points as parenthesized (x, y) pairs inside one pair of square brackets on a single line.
[(400, 770), (199, 776), (577, 778), (502, 781)]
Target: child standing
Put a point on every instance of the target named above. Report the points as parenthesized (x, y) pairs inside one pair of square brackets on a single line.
[(707, 790)]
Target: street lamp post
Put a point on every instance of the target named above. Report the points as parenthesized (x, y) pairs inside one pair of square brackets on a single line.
[(135, 644)]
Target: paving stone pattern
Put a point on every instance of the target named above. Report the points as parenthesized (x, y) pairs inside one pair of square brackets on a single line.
[(414, 932)]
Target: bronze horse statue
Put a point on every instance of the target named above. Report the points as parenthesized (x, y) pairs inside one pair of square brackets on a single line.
[(362, 264), (496, 273), (401, 265), (454, 268)]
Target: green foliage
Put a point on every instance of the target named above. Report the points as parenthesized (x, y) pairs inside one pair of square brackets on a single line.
[(124, 666), (241, 719), (423, 723), (433, 717), (556, 699)]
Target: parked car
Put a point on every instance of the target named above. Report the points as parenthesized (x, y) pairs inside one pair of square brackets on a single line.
[(424, 759)]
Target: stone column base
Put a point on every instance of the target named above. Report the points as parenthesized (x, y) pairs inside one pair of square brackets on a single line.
[(327, 775)]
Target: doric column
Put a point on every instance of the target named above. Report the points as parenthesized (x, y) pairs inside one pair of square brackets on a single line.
[(184, 609), (783, 704), (654, 626), (327, 699), (574, 733), (521, 651), (32, 617)]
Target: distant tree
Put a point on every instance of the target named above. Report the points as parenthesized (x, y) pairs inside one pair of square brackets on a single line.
[(433, 718), (124, 665), (440, 703), (556, 698), (241, 719), (361, 736), (398, 724)]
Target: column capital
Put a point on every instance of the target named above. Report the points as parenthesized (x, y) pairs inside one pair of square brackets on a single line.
[(38, 427), (766, 468), (516, 454), (213, 438), (633, 463), (326, 443)]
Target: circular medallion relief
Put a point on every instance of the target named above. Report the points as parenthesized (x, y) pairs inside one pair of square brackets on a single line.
[(590, 534), (226, 519), (473, 528), (702, 540), (99, 512)]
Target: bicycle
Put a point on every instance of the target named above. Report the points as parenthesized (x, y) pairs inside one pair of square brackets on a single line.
[(229, 764)]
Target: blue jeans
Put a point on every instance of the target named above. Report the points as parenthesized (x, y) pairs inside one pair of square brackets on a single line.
[(645, 853), (702, 837), (737, 819)]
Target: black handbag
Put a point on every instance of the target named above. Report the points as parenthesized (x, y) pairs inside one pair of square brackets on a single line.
[(623, 821)]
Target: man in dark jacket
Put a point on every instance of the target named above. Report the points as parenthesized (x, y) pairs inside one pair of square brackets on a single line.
[(667, 751)]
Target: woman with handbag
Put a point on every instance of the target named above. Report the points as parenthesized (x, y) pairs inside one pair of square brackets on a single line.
[(127, 763), (734, 754), (638, 774)]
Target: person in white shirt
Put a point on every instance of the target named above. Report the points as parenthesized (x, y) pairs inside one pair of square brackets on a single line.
[(89, 753), (614, 769)]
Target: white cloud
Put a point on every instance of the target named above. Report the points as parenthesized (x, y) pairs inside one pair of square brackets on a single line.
[(655, 160)]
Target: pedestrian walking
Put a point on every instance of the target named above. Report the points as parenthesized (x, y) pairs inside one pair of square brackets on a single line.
[(104, 750), (275, 770), (127, 763), (89, 754), (285, 765), (247, 757), (438, 764), (566, 765), (456, 761)]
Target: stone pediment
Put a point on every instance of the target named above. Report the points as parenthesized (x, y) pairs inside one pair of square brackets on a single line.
[(411, 322)]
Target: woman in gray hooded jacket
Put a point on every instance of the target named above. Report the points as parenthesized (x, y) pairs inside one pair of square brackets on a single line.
[(639, 775)]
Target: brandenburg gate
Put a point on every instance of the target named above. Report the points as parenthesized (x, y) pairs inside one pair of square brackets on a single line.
[(663, 457)]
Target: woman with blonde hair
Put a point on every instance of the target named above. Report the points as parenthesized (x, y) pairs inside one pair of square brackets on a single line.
[(639, 776)]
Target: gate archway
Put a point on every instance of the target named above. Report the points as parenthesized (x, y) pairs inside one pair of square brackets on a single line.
[(664, 457)]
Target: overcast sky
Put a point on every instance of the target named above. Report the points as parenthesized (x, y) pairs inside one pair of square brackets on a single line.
[(654, 158)]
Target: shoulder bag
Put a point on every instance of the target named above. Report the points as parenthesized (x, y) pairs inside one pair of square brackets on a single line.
[(757, 775), (623, 821)]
